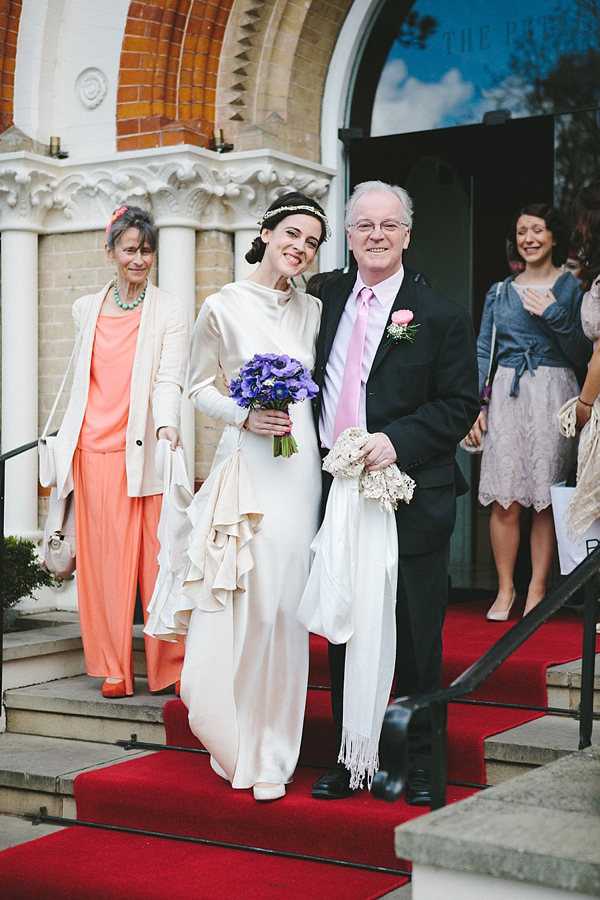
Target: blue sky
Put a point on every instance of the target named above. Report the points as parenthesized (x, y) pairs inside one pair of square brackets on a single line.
[(454, 80)]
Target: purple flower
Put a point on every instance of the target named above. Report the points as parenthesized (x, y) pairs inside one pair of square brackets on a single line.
[(284, 365), (280, 390)]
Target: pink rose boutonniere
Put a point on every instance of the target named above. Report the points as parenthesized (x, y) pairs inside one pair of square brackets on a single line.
[(401, 329)]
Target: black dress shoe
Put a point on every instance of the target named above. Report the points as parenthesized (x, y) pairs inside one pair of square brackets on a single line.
[(418, 788), (334, 784)]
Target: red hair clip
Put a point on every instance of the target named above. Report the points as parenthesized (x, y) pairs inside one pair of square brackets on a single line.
[(115, 216)]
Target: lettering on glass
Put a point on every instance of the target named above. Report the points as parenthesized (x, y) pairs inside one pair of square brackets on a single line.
[(476, 38)]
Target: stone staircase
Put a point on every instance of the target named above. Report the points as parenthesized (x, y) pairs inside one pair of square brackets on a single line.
[(62, 726), (58, 725)]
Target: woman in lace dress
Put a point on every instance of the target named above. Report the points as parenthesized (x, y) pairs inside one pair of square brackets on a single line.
[(586, 212), (246, 665), (539, 343), (585, 504)]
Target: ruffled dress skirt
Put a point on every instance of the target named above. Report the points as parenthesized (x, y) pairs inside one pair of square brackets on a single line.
[(524, 452)]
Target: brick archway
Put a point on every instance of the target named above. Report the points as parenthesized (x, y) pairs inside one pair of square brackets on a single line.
[(10, 14), (255, 68), (168, 74), (272, 74)]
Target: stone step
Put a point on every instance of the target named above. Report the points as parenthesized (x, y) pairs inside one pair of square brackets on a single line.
[(536, 836), (48, 646), (531, 745), (40, 771), (564, 685), (74, 708)]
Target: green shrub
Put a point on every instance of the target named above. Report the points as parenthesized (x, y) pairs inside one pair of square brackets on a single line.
[(23, 572)]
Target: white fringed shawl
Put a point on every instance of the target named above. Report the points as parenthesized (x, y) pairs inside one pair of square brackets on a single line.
[(350, 596)]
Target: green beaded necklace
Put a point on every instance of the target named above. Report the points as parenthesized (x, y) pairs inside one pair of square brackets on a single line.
[(135, 302)]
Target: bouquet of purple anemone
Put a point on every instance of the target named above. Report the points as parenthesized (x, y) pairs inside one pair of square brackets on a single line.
[(269, 381)]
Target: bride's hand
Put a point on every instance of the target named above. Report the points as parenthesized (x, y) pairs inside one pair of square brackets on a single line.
[(475, 436), (269, 421)]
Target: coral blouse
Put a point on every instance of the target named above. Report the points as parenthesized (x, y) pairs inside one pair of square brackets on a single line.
[(105, 422)]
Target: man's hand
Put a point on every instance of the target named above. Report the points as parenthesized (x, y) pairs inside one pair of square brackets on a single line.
[(169, 433), (378, 452)]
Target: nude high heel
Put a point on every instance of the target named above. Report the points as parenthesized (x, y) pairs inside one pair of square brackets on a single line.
[(265, 791), (502, 614)]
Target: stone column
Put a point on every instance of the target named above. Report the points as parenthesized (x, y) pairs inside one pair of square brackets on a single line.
[(241, 244), (19, 275), (177, 275)]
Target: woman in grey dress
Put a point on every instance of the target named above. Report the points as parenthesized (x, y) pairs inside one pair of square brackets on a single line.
[(539, 344)]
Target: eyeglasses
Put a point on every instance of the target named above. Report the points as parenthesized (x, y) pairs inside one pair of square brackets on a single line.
[(390, 226)]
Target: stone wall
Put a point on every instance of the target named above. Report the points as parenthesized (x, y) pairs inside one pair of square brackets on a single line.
[(214, 268)]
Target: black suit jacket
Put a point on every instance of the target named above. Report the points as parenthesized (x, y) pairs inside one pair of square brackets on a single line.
[(423, 395)]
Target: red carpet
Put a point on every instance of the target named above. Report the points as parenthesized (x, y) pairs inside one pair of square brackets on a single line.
[(177, 792), (85, 863)]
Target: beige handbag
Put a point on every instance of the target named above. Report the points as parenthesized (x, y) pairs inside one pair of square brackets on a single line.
[(59, 536)]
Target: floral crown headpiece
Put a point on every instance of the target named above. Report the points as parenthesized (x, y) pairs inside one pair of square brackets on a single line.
[(116, 215), (312, 209)]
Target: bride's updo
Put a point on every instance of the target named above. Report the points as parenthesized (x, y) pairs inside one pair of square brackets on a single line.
[(291, 204)]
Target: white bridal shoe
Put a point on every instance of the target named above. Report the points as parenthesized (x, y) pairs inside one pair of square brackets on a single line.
[(265, 791), (500, 615)]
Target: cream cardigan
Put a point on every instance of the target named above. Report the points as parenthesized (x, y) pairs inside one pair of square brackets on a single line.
[(157, 380)]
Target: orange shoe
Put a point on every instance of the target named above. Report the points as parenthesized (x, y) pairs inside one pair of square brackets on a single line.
[(177, 688), (114, 689)]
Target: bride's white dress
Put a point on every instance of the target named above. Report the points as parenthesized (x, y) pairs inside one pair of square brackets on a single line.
[(246, 663)]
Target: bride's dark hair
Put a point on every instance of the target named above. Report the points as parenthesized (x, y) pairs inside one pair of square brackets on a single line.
[(271, 219)]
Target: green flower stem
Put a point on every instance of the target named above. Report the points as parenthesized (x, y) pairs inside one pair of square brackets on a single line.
[(284, 446)]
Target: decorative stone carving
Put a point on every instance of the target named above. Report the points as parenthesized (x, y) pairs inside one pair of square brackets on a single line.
[(91, 87), (185, 186), (26, 195)]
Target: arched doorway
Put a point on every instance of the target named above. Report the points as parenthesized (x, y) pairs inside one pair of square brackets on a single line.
[(476, 109)]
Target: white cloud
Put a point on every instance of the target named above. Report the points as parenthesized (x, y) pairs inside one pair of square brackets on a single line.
[(508, 94), (406, 104)]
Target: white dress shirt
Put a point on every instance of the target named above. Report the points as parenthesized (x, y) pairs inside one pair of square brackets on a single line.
[(381, 304)]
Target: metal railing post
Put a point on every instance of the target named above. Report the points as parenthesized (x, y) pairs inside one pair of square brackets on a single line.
[(439, 732), (588, 662), (2, 483)]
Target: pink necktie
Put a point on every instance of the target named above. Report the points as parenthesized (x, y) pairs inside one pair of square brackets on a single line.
[(346, 415)]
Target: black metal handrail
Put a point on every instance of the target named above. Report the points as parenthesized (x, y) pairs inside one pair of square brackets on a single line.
[(3, 458), (389, 782)]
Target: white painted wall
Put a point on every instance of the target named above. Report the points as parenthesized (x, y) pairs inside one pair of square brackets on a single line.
[(59, 42), (430, 883), (339, 85)]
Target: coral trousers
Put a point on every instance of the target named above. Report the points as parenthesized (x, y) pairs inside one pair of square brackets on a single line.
[(117, 551)]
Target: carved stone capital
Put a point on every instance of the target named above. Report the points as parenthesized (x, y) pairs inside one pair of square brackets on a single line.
[(184, 186)]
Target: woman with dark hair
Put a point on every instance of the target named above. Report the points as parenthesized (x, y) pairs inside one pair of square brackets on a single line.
[(246, 664), (129, 370), (539, 343)]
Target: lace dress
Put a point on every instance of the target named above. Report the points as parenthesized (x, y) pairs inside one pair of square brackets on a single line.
[(525, 451)]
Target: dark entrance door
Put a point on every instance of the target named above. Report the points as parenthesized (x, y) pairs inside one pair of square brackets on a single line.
[(466, 183), (483, 172)]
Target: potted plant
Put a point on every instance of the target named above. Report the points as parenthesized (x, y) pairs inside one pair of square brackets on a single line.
[(22, 573)]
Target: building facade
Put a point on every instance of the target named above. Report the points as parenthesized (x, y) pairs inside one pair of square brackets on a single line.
[(205, 111)]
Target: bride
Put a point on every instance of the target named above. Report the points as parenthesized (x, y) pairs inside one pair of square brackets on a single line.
[(245, 672)]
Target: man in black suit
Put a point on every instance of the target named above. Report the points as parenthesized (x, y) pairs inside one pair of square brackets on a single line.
[(417, 400)]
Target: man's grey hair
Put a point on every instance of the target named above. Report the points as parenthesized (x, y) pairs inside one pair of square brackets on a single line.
[(372, 187)]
